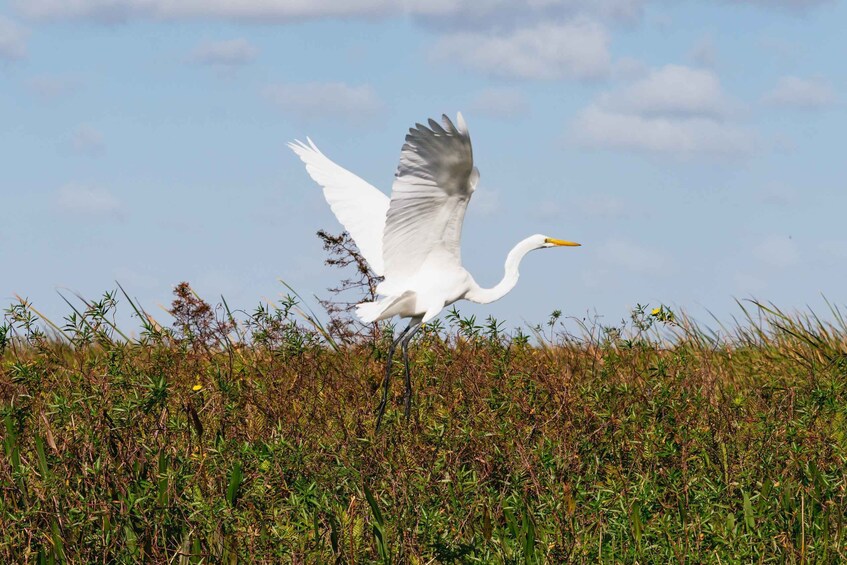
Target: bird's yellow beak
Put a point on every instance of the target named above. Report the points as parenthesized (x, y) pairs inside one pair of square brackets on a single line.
[(561, 242)]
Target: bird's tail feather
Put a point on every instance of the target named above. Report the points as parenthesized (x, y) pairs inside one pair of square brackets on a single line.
[(370, 312)]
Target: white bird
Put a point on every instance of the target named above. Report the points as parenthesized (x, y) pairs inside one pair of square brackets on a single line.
[(413, 238)]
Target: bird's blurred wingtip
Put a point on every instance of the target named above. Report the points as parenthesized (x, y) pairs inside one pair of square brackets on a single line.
[(302, 149), (460, 123)]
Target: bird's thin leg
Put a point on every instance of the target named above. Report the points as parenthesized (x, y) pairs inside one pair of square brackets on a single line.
[(381, 409), (407, 398)]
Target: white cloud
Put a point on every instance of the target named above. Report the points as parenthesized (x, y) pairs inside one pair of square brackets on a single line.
[(500, 103), (809, 94), (793, 4), (88, 201), (230, 53), (669, 91), (777, 251), (634, 257), (511, 14), (453, 13), (547, 51), (325, 100), (13, 39), (674, 109), (276, 10), (599, 128), (86, 139)]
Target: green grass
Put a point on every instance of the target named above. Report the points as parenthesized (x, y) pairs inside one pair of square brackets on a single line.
[(655, 442)]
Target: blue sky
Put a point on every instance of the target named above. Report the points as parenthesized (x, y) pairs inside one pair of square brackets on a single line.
[(694, 148)]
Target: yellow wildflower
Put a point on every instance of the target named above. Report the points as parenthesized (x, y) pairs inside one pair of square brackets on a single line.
[(197, 387)]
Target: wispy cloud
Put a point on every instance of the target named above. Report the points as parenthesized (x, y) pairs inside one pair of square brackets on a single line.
[(548, 209), (635, 257), (456, 14), (778, 251), (547, 51), (796, 92), (674, 109), (749, 284), (602, 206), (500, 103), (228, 54), (779, 194), (266, 10), (628, 68), (599, 128), (453, 13), (137, 277), (673, 90), (88, 201), (835, 250), (512, 14), (593, 206), (87, 139), (486, 203), (704, 52), (13, 38), (328, 100), (784, 51), (791, 4), (50, 87)]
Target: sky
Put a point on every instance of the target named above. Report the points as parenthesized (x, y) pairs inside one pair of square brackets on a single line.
[(694, 148)]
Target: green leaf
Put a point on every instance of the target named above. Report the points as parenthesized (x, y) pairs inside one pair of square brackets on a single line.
[(235, 479), (378, 527), (42, 457), (635, 523), (12, 451), (373, 505), (163, 478), (529, 533), (748, 511), (58, 545)]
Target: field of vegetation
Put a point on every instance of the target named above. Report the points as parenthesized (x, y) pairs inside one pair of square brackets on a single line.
[(249, 437)]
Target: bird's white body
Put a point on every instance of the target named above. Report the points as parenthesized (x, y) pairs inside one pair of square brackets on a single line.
[(413, 238), (424, 296)]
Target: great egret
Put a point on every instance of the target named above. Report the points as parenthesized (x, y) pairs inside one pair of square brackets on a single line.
[(412, 239)]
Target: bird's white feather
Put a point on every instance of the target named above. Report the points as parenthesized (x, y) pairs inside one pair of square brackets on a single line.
[(432, 187), (413, 240), (360, 207)]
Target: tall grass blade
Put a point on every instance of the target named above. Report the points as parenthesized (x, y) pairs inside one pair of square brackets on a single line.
[(235, 478)]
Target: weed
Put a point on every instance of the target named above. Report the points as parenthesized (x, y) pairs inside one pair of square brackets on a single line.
[(248, 437)]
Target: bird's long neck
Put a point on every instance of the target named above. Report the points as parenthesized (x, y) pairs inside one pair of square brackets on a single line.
[(510, 277)]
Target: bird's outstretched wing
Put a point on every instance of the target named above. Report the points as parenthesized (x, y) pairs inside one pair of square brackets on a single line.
[(360, 207), (432, 187)]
